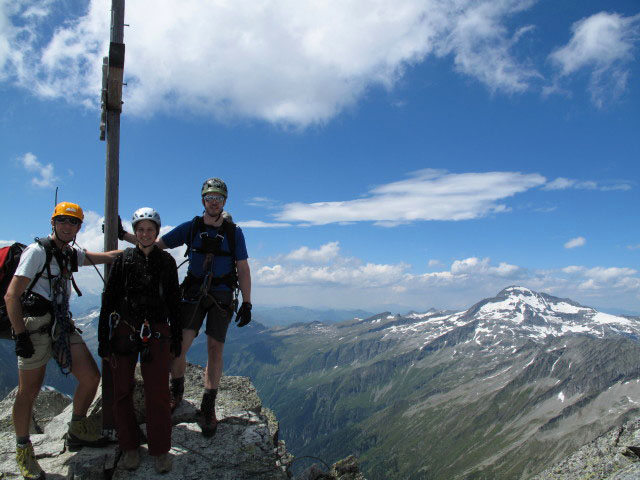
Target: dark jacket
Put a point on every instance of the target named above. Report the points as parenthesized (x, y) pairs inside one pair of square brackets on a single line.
[(139, 288)]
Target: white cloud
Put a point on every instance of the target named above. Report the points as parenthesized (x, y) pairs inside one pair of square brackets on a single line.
[(481, 45), (44, 174), (575, 242), (427, 195), (263, 202), (261, 224), (602, 43), (483, 266), (282, 61), (326, 252), (362, 277), (434, 263), (373, 286), (562, 183)]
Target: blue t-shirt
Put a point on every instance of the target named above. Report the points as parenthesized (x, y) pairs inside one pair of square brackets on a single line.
[(222, 264)]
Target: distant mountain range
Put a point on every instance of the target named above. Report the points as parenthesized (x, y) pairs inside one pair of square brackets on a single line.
[(501, 390)]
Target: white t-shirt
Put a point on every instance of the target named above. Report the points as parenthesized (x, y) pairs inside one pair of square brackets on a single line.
[(31, 262)]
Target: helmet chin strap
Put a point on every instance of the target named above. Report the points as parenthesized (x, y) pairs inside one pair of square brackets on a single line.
[(55, 234)]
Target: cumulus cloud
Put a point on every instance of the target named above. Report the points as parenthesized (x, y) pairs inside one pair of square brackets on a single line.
[(575, 242), (357, 284), (323, 254), (363, 276), (603, 44), (44, 174), (426, 195), (600, 280), (282, 61)]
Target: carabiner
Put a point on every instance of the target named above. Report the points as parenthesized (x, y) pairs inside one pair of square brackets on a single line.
[(145, 332)]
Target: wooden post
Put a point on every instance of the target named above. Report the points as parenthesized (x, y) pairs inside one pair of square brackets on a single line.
[(112, 81), (112, 107)]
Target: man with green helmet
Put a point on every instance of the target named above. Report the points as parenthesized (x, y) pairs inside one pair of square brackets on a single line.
[(218, 268)]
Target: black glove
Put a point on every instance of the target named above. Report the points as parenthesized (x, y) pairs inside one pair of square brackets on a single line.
[(244, 314), (24, 347), (121, 231)]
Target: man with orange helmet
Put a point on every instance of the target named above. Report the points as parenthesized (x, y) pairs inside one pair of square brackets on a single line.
[(37, 301)]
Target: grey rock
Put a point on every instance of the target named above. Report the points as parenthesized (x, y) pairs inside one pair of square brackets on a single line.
[(612, 456), (49, 403), (244, 447), (347, 469)]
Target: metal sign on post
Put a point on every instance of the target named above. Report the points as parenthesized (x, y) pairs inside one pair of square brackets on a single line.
[(112, 81)]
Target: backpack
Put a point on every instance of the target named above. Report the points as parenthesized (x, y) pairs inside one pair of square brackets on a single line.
[(9, 260)]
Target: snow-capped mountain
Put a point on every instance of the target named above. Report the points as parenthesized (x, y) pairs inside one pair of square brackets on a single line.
[(500, 390)]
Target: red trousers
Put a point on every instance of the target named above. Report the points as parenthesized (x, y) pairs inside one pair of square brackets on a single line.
[(155, 375)]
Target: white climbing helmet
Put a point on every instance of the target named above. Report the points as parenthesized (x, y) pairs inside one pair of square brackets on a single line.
[(145, 213)]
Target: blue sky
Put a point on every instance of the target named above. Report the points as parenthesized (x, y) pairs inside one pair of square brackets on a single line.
[(405, 154)]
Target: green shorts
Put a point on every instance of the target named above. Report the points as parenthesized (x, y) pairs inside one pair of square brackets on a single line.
[(42, 343), (218, 315)]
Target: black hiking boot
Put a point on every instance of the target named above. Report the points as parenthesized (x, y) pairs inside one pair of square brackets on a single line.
[(208, 423), (176, 391)]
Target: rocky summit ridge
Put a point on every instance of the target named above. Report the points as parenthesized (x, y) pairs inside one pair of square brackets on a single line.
[(246, 445)]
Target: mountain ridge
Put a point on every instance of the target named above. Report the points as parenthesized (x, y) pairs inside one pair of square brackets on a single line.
[(478, 385)]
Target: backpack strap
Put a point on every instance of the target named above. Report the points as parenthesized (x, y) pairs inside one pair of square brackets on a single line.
[(197, 226), (52, 251), (47, 261), (229, 229)]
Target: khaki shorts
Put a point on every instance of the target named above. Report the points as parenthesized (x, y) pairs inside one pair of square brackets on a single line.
[(42, 343)]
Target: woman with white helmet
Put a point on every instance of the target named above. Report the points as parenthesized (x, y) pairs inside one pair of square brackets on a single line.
[(140, 316)]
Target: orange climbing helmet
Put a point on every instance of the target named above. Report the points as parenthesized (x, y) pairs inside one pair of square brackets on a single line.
[(69, 209)]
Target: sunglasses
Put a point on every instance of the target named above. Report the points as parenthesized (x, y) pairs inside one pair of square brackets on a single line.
[(70, 220), (213, 198)]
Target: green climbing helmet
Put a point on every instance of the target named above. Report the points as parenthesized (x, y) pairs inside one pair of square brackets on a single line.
[(215, 185)]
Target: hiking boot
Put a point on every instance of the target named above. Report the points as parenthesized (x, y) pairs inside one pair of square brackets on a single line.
[(131, 459), (27, 463), (164, 463), (209, 423), (83, 433)]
